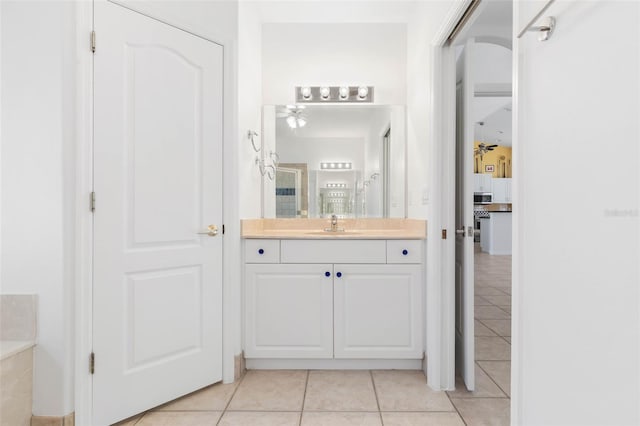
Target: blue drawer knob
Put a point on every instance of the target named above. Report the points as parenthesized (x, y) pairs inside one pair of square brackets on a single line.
[(327, 274), (405, 252), (339, 274), (261, 251)]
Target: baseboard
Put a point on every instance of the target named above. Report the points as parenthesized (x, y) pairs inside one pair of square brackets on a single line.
[(68, 420), (333, 364), (240, 366)]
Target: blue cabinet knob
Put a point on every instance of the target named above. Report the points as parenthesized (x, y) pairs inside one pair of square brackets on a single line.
[(339, 274), (261, 251), (327, 274), (405, 252)]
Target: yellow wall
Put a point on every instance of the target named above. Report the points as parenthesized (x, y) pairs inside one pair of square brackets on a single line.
[(493, 158)]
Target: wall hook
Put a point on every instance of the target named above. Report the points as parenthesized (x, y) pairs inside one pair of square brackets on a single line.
[(252, 135)]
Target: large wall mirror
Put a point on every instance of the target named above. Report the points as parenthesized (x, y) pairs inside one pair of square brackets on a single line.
[(347, 160)]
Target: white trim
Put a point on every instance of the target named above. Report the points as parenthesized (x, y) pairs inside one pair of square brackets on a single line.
[(333, 364), (441, 253), (517, 299), (84, 218)]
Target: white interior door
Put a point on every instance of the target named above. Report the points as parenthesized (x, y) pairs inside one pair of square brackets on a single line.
[(157, 325), (465, 345)]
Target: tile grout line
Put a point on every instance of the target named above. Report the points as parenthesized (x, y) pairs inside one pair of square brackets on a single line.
[(304, 396), (455, 408), (375, 393), (496, 383), (224, 411)]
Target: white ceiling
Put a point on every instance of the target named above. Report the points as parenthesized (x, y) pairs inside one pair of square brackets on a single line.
[(333, 11), (493, 24), (497, 126), (494, 20), (332, 121)]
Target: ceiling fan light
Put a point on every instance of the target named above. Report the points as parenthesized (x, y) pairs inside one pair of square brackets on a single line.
[(302, 122), (292, 122)]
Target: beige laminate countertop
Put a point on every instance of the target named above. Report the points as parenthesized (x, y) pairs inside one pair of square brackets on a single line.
[(354, 229)]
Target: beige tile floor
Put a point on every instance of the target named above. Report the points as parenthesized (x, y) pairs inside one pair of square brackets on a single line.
[(367, 398)]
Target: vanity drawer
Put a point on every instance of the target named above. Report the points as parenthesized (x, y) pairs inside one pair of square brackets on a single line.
[(261, 251), (404, 251), (333, 251)]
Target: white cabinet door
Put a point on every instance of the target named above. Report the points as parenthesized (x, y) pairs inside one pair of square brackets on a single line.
[(507, 190), (499, 190), (378, 311), (289, 311), (482, 182)]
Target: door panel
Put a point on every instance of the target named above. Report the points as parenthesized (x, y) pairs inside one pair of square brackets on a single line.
[(158, 182), (378, 311), (289, 311), (465, 345)]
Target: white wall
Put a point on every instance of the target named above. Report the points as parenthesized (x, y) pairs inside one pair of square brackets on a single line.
[(576, 292), (38, 96), (313, 151), (426, 20), (249, 108), (333, 54)]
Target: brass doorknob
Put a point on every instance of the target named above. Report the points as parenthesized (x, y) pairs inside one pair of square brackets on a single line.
[(212, 231)]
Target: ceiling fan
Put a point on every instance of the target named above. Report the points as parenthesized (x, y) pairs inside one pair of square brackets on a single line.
[(483, 148), (294, 115)]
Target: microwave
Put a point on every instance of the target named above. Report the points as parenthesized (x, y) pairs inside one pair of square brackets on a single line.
[(482, 197)]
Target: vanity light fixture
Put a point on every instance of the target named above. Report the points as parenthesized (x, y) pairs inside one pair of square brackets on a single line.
[(335, 166), (341, 94), (325, 93), (305, 92), (363, 92), (336, 185)]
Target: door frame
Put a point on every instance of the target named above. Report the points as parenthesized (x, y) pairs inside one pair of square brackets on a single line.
[(443, 183), (440, 294), (83, 273)]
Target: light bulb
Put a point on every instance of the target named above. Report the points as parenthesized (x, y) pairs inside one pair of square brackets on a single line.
[(332, 165), (344, 92), (340, 165), (306, 92), (302, 122), (291, 121), (363, 91), (325, 92)]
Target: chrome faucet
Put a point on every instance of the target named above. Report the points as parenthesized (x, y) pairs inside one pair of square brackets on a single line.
[(334, 223)]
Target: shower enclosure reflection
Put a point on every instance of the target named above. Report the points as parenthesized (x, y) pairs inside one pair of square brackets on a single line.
[(347, 160)]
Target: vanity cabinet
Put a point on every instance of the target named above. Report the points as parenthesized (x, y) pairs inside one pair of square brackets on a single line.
[(320, 299)]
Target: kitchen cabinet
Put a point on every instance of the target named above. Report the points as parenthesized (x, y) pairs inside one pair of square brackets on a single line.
[(501, 190), (482, 182), (496, 233), (305, 305)]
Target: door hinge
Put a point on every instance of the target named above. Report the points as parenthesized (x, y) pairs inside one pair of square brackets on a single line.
[(92, 202), (222, 229), (93, 41), (444, 234), (92, 363)]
